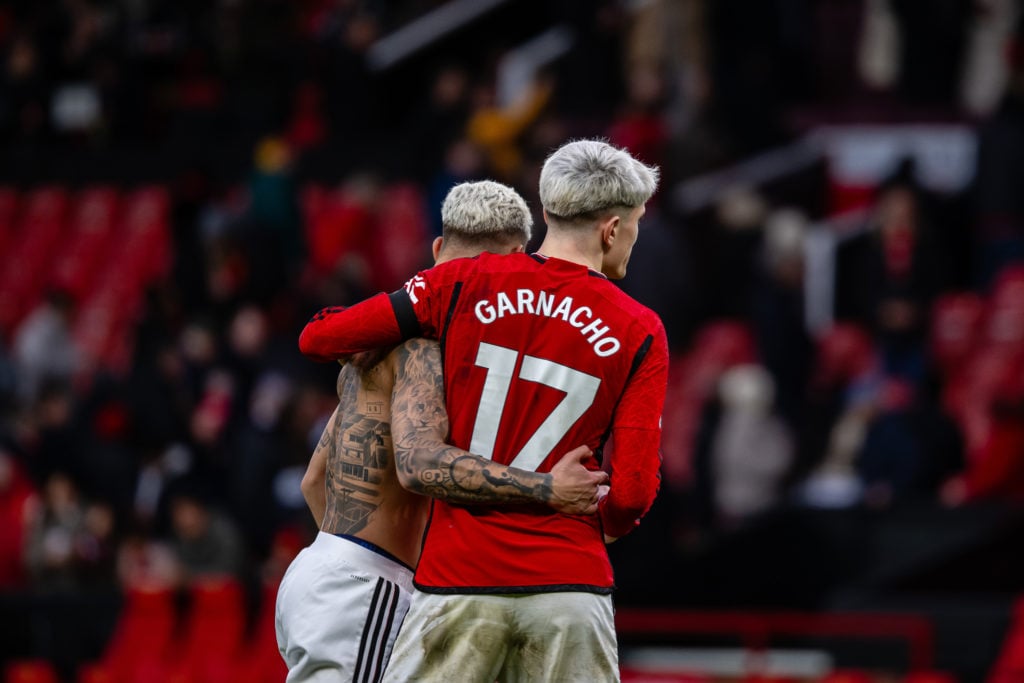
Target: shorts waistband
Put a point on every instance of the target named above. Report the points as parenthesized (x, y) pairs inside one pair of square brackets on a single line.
[(364, 558), (375, 548)]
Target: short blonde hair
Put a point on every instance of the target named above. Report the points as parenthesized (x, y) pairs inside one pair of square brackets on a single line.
[(484, 210), (587, 176)]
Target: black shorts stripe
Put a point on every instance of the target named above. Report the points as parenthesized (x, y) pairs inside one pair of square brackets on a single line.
[(380, 621), (389, 625), (366, 630), (408, 324)]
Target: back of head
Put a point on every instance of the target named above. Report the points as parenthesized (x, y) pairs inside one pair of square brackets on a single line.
[(586, 177), (485, 216)]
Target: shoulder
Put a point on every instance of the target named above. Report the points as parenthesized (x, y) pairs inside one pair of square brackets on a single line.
[(414, 352), (417, 346)]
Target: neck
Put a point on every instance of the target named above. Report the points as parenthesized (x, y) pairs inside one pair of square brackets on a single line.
[(573, 248)]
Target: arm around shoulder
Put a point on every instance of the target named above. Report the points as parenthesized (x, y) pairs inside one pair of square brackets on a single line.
[(337, 332)]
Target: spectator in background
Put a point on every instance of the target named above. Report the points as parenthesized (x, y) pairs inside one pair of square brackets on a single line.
[(1000, 203), (641, 126), (499, 128), (910, 448), (463, 161), (44, 351), (751, 449), (52, 543), (436, 125), (23, 115), (933, 38), (275, 240), (889, 276), (730, 252), (840, 399), (778, 315), (148, 563), (204, 540), (259, 447), (58, 435)]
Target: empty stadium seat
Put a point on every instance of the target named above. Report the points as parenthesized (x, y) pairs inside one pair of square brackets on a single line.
[(142, 639), (259, 660), (213, 633)]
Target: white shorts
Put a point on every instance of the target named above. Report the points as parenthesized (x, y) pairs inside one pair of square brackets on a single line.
[(534, 637), (338, 610)]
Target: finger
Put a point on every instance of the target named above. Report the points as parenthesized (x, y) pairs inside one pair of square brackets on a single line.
[(580, 453), (602, 478)]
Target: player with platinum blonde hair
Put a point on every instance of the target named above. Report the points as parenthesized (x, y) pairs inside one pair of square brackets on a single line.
[(485, 210), (587, 177), (541, 352)]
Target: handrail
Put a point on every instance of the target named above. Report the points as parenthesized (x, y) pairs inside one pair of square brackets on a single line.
[(429, 28), (755, 629)]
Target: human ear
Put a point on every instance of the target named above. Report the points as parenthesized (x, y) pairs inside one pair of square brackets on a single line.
[(609, 230)]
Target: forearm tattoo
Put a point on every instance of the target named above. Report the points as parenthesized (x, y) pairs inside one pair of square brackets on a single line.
[(434, 468)]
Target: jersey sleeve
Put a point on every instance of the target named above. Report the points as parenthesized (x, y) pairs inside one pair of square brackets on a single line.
[(636, 432), (382, 320), (336, 332)]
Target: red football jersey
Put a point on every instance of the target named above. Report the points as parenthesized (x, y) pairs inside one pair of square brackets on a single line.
[(540, 356)]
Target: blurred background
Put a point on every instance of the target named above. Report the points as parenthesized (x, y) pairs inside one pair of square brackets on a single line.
[(836, 249)]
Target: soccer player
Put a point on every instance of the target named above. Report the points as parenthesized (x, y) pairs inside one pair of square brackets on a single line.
[(540, 351), (342, 599)]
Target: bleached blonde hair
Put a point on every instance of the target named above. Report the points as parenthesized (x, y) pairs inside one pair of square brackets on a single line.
[(482, 211), (585, 177)]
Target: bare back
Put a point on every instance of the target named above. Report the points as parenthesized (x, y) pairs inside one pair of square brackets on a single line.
[(364, 496)]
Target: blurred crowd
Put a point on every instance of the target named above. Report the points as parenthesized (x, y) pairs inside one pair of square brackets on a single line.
[(185, 460)]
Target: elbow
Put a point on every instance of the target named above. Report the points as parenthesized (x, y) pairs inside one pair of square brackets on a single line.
[(406, 476), (307, 343), (310, 484)]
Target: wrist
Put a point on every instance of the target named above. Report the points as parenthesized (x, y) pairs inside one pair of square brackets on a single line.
[(545, 488)]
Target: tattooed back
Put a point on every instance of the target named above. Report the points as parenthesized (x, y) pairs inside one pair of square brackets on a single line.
[(364, 496)]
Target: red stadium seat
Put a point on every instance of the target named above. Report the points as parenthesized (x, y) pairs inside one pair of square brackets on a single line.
[(9, 204), (336, 226), (213, 633), (9, 201), (29, 261), (260, 661), (141, 644), (90, 233), (954, 329), (1009, 665), (30, 671), (1008, 288), (403, 236), (844, 351)]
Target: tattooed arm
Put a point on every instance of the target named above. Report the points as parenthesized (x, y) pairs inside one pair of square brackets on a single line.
[(314, 481), (429, 466)]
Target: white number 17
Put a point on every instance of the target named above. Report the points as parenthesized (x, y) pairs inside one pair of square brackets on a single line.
[(579, 387)]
